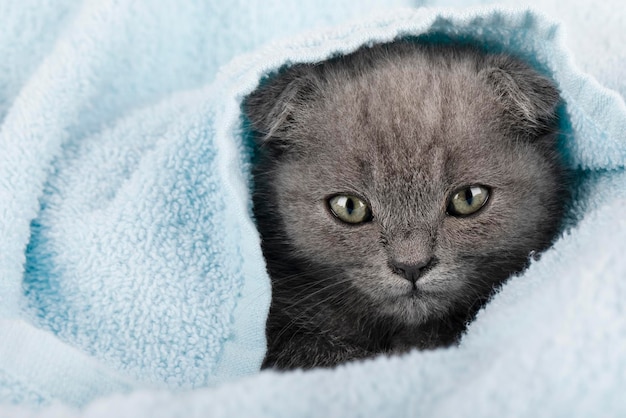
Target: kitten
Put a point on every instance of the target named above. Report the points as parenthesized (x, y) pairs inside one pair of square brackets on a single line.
[(396, 188)]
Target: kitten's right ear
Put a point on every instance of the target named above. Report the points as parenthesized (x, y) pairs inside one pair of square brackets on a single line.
[(274, 106)]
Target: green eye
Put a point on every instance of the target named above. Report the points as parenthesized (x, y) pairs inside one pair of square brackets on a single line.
[(349, 209), (468, 200)]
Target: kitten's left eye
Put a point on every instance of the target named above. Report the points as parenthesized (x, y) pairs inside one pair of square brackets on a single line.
[(349, 209), (468, 200)]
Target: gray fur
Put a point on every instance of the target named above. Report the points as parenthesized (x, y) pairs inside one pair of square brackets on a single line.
[(402, 126)]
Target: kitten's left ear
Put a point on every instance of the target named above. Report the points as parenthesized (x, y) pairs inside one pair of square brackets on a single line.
[(530, 99)]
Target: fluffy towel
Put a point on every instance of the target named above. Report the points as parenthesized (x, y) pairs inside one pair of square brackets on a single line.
[(124, 211), (129, 260)]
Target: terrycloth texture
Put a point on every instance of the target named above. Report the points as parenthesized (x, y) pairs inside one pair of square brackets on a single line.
[(127, 238), (124, 210)]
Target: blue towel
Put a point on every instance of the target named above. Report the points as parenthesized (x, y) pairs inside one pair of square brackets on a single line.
[(129, 262)]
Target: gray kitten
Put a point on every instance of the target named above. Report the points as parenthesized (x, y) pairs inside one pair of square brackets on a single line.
[(396, 188)]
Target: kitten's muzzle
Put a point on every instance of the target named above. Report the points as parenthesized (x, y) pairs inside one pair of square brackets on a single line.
[(412, 271)]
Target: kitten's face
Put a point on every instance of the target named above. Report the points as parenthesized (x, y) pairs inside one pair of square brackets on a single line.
[(403, 140)]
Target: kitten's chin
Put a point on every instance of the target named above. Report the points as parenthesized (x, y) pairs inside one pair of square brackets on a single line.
[(415, 304)]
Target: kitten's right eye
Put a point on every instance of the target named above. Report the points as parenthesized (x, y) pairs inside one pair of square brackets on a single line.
[(349, 209)]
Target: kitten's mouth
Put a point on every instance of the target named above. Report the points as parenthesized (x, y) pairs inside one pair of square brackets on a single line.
[(412, 296), (415, 292), (418, 292), (427, 289)]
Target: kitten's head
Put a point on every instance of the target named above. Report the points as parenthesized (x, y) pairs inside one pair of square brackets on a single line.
[(422, 176)]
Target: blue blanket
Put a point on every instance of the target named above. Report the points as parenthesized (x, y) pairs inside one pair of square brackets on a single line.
[(131, 277)]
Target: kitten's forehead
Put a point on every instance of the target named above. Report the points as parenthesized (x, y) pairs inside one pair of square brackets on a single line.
[(407, 129)]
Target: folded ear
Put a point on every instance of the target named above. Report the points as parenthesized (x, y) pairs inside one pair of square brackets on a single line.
[(273, 108), (530, 99)]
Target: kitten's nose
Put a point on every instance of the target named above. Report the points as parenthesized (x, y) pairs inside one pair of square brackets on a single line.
[(410, 271)]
